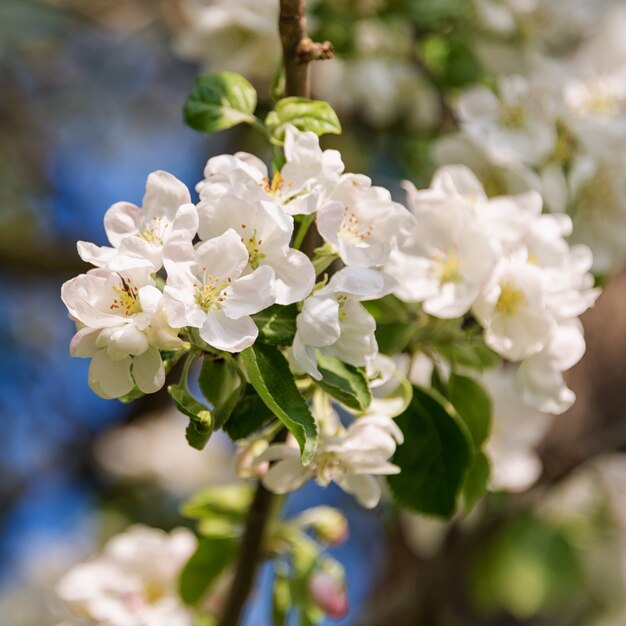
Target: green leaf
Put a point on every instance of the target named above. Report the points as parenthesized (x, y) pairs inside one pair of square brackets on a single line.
[(344, 382), (221, 385), (210, 559), (469, 352), (435, 455), (200, 419), (277, 324), (220, 101), (313, 115), (473, 404), (230, 501), (271, 377), (476, 481), (248, 415), (218, 379)]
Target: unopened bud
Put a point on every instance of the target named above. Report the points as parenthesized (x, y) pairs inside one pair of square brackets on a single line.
[(329, 524), (329, 594)]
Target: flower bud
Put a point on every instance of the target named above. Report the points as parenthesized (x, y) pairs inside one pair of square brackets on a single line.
[(329, 524), (329, 594)]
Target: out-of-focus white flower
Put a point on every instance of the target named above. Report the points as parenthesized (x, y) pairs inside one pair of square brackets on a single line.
[(351, 459), (134, 581), (449, 257), (333, 321), (512, 310), (515, 432), (121, 327), (138, 234), (236, 35), (265, 231), (206, 289), (153, 449), (515, 125), (309, 175), (362, 223), (598, 197)]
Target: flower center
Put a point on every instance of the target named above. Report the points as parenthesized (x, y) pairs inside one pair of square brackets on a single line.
[(253, 246), (342, 299), (328, 466), (351, 230), (512, 116), (599, 97), (510, 300), (154, 231), (212, 292), (449, 269), (274, 186), (127, 300)]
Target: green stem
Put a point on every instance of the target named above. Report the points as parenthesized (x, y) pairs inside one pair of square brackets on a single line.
[(258, 125), (185, 373), (302, 231)]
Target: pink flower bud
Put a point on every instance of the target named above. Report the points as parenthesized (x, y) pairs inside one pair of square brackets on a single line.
[(329, 594)]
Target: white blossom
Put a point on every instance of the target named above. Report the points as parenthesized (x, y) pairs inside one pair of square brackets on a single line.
[(265, 231), (122, 327), (138, 234), (333, 320), (513, 312), (305, 181), (134, 581), (207, 289), (362, 223), (514, 125), (352, 458), (516, 430)]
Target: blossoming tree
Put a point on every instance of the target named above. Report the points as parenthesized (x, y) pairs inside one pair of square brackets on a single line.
[(341, 336)]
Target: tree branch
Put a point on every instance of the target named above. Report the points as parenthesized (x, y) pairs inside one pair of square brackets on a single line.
[(298, 49)]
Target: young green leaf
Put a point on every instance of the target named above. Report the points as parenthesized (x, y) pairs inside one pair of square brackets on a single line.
[(473, 404), (200, 419), (344, 382), (271, 377), (435, 456), (221, 385), (312, 115), (277, 324), (220, 101), (210, 559)]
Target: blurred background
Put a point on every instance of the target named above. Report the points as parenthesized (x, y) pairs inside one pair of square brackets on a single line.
[(91, 97)]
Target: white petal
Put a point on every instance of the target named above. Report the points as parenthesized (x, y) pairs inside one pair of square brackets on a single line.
[(100, 256), (122, 220), (125, 341), (228, 334), (148, 371), (224, 256), (305, 357), (83, 343), (185, 225), (366, 489), (295, 276), (362, 283), (286, 476), (164, 195), (110, 379), (250, 294), (318, 323)]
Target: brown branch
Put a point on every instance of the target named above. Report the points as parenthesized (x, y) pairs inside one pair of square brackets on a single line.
[(298, 49)]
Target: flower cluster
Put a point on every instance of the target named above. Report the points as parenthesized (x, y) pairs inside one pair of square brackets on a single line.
[(556, 119), (134, 581), (508, 265), (242, 264)]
